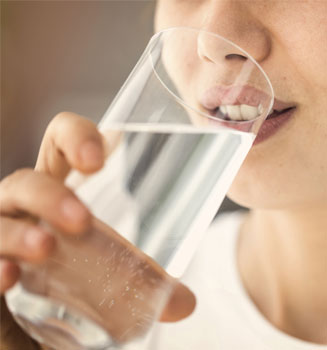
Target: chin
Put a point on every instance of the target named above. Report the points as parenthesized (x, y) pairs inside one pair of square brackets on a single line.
[(254, 192), (241, 198)]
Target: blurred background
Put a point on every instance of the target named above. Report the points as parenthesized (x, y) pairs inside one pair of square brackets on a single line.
[(64, 56)]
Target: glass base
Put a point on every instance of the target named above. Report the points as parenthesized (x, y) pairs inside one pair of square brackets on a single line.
[(55, 325)]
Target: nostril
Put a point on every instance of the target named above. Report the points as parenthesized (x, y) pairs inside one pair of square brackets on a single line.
[(234, 56)]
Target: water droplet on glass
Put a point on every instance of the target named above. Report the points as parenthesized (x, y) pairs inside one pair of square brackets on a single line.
[(111, 303), (102, 301)]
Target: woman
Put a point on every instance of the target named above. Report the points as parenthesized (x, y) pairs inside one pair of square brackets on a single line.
[(280, 298)]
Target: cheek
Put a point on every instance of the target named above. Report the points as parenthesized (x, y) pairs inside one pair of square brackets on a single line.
[(177, 13), (182, 64), (166, 15), (289, 171), (262, 183), (304, 38)]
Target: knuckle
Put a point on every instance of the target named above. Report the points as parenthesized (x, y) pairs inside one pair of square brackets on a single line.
[(61, 116), (25, 186), (48, 190), (11, 233), (58, 120), (53, 195), (62, 193), (66, 121), (12, 179), (22, 173), (17, 174)]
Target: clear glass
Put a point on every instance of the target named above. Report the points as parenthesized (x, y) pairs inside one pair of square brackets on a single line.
[(176, 135)]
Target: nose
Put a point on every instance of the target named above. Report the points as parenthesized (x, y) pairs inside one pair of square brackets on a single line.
[(234, 21)]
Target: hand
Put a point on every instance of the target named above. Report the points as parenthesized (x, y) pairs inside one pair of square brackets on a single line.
[(28, 195)]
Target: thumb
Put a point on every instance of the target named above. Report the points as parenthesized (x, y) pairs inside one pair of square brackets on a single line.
[(180, 305)]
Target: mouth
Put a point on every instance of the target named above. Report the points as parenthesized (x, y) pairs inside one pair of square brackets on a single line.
[(244, 112), (273, 123), (241, 103), (242, 106), (236, 115)]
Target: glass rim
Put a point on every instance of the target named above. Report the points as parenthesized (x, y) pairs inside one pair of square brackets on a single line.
[(156, 37)]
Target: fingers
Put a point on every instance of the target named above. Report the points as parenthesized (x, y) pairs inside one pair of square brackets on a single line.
[(181, 304), (45, 198), (23, 241), (70, 142), (9, 273)]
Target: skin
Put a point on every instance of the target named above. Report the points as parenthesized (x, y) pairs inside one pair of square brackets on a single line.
[(283, 181), (282, 246), (70, 141)]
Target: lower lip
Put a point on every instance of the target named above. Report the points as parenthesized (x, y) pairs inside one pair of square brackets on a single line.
[(271, 126)]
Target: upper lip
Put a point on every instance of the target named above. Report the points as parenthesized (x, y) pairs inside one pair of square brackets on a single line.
[(237, 95)]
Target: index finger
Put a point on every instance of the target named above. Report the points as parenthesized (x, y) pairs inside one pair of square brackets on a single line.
[(70, 141)]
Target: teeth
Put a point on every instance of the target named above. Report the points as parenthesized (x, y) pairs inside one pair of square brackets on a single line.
[(249, 112), (260, 108), (241, 112), (223, 109), (234, 112)]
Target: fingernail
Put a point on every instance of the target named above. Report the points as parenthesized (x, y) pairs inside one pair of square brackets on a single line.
[(73, 210), (35, 238), (91, 154)]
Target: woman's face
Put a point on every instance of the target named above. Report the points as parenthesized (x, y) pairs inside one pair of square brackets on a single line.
[(289, 39)]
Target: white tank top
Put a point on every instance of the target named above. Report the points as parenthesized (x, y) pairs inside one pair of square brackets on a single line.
[(225, 317)]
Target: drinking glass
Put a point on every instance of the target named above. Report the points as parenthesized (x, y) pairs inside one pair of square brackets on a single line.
[(175, 137)]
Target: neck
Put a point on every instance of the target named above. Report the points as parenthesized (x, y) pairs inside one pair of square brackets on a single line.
[(283, 263)]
